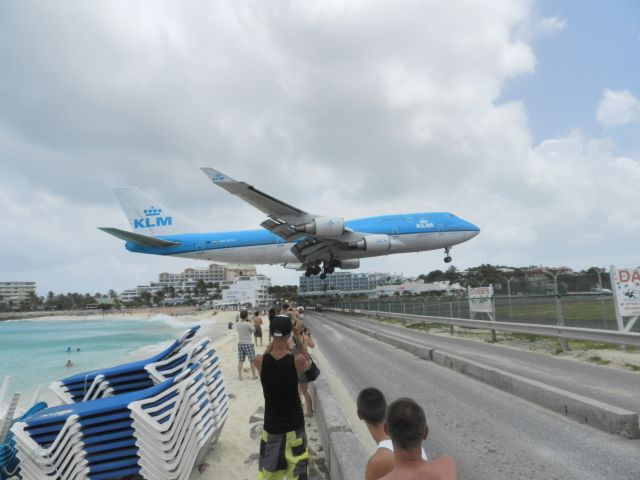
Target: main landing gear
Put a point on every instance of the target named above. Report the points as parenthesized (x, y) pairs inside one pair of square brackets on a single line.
[(315, 269), (447, 259)]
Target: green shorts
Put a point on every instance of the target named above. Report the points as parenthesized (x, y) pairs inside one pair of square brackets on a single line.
[(284, 454)]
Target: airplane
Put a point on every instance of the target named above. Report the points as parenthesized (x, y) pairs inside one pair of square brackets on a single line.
[(290, 236)]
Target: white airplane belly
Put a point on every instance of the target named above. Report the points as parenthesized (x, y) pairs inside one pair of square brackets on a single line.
[(257, 254)]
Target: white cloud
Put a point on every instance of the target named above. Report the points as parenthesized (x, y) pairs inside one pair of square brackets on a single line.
[(618, 108), (351, 109)]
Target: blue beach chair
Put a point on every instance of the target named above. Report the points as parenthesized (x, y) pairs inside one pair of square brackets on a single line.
[(159, 432), (124, 378), (8, 452)]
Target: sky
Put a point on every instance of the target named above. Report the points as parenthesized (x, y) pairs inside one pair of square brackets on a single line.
[(520, 116)]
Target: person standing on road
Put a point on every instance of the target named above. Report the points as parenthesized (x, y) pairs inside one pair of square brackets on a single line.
[(372, 408), (407, 426), (283, 446), (245, 343)]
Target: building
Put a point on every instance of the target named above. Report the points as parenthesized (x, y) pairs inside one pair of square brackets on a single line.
[(252, 290), (16, 292), (419, 287), (234, 272), (235, 283), (340, 283), (215, 273)]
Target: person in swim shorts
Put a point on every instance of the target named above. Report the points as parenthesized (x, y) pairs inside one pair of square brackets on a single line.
[(283, 445)]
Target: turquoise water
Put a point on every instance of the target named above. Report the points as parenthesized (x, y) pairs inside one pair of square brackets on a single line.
[(34, 352)]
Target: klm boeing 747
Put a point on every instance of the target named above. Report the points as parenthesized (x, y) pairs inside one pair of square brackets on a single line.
[(292, 237)]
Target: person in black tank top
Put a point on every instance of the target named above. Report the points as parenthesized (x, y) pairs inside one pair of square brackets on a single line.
[(283, 446)]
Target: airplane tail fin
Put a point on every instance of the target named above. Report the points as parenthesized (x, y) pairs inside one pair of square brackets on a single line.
[(145, 215)]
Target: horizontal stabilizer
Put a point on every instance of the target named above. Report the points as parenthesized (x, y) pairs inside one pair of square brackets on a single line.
[(138, 239)]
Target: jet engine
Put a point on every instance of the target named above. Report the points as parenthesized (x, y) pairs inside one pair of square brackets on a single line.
[(348, 264), (324, 227), (373, 243)]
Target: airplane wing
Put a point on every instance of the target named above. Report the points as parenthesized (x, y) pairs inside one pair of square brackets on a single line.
[(285, 220), (282, 216)]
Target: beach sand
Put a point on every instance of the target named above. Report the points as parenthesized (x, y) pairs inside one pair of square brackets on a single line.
[(235, 455)]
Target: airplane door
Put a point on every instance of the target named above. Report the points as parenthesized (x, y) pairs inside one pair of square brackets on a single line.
[(394, 230), (440, 229)]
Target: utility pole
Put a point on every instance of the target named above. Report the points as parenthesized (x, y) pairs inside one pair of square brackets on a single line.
[(555, 272), (509, 279), (602, 314)]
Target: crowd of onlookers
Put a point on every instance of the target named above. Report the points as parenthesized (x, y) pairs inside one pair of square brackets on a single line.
[(285, 370)]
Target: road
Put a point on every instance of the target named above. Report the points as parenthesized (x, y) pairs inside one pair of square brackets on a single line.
[(491, 434), (612, 386)]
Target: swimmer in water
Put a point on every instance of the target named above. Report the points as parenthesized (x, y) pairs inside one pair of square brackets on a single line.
[(69, 364)]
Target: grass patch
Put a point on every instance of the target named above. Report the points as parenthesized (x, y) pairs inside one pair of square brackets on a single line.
[(598, 360), (633, 367), (526, 337), (588, 345), (425, 327)]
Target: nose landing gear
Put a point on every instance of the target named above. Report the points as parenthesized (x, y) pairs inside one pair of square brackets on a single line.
[(447, 258)]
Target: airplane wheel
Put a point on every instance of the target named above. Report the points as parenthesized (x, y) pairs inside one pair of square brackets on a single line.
[(307, 273), (323, 276), (316, 270), (447, 259)]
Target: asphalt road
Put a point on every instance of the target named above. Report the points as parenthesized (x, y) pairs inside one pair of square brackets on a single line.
[(612, 386), (492, 435)]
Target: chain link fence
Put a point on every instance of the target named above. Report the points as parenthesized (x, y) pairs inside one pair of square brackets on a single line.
[(585, 311)]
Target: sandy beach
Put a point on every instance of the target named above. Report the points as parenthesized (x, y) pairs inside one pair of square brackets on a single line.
[(235, 455)]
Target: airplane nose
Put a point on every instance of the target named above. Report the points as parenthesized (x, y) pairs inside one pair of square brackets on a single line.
[(472, 229)]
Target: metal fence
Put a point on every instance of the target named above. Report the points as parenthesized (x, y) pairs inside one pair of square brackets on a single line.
[(583, 311)]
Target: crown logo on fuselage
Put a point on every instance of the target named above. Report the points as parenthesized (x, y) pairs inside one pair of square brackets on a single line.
[(151, 219)]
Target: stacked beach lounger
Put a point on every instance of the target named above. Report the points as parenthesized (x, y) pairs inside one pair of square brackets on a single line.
[(158, 432), (121, 379), (8, 453)]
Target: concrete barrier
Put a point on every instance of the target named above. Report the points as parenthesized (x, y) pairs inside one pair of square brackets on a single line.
[(585, 410), (344, 453)]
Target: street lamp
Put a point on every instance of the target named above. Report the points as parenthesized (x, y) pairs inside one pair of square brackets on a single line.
[(555, 272), (604, 318), (509, 279)]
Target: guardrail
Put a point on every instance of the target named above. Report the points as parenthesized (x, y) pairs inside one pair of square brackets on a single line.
[(589, 334)]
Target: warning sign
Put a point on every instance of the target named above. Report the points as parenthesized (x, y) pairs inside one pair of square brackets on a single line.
[(626, 286), (481, 299)]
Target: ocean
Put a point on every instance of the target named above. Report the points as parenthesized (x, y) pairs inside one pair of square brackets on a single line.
[(34, 352)]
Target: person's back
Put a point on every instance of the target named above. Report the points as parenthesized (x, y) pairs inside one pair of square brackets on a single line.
[(440, 468), (372, 408), (283, 446), (407, 426)]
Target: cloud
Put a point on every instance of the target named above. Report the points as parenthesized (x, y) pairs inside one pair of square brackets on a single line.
[(340, 108), (618, 108)]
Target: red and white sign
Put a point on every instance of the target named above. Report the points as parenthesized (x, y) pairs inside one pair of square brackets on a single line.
[(481, 299), (626, 285)]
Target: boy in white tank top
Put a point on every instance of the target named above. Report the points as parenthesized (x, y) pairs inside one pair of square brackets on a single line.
[(372, 409)]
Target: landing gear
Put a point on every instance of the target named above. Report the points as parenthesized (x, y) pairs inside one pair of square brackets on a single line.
[(315, 269), (447, 259), (329, 267), (312, 269)]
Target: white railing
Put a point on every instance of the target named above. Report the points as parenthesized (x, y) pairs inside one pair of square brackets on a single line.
[(589, 334)]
